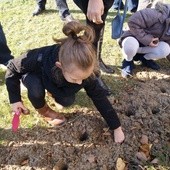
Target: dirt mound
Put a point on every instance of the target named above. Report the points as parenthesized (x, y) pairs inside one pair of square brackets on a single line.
[(84, 142)]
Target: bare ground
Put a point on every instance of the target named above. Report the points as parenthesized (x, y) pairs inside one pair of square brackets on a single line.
[(84, 142)]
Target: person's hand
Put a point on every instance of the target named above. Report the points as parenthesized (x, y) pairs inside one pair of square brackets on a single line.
[(95, 11), (119, 135), (19, 107), (154, 42)]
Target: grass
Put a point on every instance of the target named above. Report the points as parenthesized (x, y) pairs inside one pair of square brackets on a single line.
[(25, 32)]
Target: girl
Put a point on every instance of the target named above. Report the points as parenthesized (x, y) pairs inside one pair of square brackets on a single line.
[(61, 69)]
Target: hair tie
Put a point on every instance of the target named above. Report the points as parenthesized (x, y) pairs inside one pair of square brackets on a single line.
[(74, 36)]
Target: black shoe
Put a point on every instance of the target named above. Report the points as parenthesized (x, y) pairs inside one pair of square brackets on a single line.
[(105, 68), (127, 69), (150, 64), (38, 11), (104, 86)]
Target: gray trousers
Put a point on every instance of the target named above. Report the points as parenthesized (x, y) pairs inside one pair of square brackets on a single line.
[(61, 5), (131, 46)]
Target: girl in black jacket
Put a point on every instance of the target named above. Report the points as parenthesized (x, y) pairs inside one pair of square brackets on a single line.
[(61, 69)]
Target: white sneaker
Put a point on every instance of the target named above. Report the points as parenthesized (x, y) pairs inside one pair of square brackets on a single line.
[(68, 19)]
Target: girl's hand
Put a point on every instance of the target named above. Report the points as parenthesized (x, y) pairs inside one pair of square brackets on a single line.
[(119, 135), (95, 10), (154, 42), (19, 107)]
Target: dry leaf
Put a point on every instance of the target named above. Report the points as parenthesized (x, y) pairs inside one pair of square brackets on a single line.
[(24, 162), (120, 164), (145, 148), (60, 165)]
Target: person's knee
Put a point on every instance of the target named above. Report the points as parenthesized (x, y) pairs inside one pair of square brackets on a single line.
[(66, 101), (129, 53), (36, 94), (130, 47), (164, 49)]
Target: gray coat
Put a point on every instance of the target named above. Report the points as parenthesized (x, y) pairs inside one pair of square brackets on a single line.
[(150, 23)]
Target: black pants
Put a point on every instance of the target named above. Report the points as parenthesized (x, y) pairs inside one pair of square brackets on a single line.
[(36, 92), (5, 53), (41, 3), (99, 28)]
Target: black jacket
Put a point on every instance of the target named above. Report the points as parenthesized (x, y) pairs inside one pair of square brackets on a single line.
[(42, 62)]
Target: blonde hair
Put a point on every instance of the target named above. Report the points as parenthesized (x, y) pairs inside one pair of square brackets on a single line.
[(78, 47)]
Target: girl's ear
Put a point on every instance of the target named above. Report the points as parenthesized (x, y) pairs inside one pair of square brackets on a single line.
[(58, 64)]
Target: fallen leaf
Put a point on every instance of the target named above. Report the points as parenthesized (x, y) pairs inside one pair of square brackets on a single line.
[(120, 164), (60, 165), (24, 162), (145, 148)]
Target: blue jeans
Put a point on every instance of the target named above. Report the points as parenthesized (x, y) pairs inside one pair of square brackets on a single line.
[(5, 53), (131, 5)]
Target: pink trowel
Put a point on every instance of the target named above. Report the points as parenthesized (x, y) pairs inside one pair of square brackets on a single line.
[(16, 121)]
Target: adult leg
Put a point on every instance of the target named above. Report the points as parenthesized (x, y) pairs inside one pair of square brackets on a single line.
[(99, 29), (116, 5), (132, 5), (40, 7), (64, 11), (36, 95), (5, 53)]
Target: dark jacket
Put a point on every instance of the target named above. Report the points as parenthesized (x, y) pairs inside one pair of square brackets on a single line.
[(42, 62), (149, 23)]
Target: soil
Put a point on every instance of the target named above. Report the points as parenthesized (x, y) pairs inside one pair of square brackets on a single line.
[(85, 143)]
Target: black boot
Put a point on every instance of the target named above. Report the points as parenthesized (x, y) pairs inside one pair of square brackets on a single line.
[(102, 65), (146, 63), (104, 86)]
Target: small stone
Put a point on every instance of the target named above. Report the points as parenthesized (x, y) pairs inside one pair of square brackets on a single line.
[(141, 156), (144, 139)]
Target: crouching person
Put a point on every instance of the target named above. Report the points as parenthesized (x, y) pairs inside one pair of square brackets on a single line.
[(147, 39), (62, 69)]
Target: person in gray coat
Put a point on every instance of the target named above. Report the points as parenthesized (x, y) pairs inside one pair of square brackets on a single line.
[(147, 39)]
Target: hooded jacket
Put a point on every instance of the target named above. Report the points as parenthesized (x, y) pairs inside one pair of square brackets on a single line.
[(149, 23), (41, 61)]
